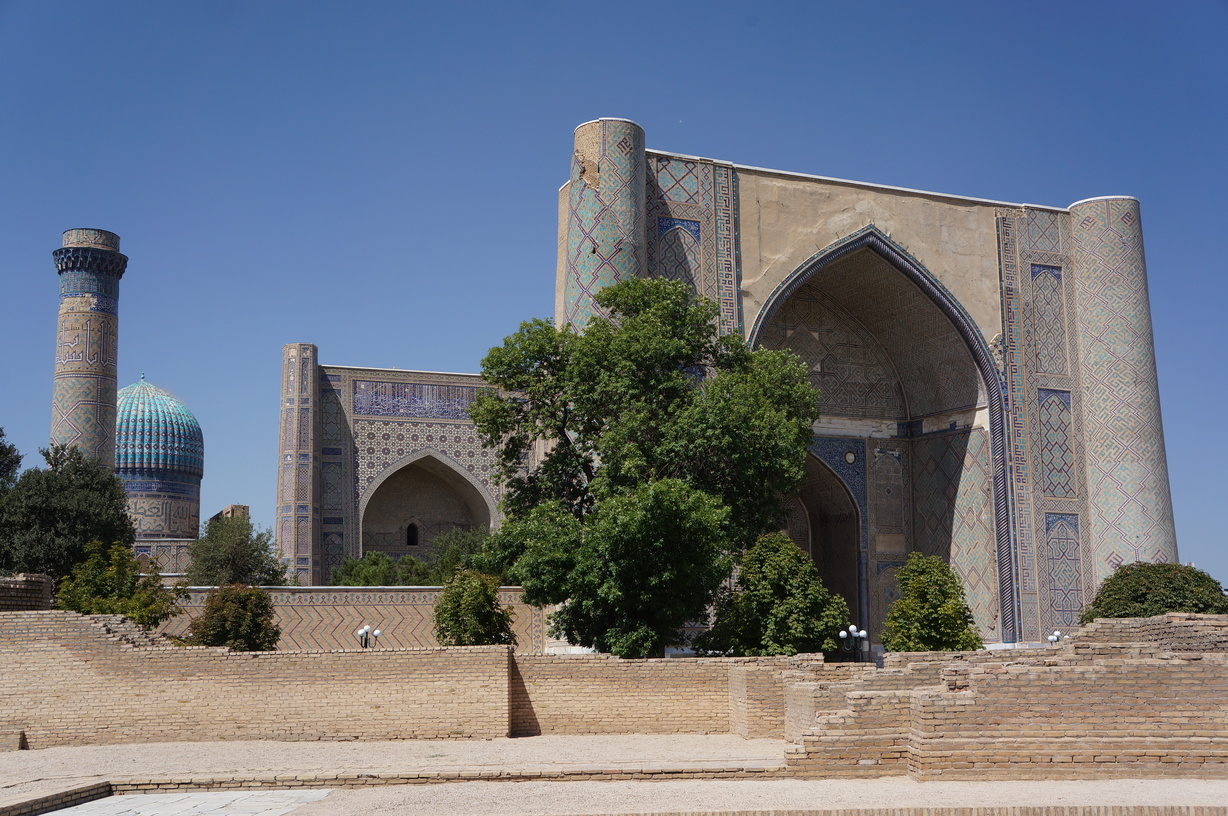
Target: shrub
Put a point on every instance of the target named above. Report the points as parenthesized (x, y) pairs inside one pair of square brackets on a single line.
[(778, 606), (1141, 590), (109, 582), (468, 612), (931, 614), (232, 551), (237, 616)]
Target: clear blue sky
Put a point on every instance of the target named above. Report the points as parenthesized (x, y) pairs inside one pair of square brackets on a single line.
[(380, 178)]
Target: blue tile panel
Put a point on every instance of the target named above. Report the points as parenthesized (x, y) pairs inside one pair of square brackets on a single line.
[(422, 400), (1064, 567)]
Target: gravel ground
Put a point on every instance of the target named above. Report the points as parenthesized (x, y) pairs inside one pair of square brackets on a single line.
[(35, 771)]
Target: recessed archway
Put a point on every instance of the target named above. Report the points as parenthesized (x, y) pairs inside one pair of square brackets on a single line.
[(900, 364), (416, 500)]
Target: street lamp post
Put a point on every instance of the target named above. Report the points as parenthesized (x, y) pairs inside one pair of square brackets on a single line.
[(365, 636), (853, 638)]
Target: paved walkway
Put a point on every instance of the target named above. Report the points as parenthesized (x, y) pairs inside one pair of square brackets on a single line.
[(230, 803), (32, 772)]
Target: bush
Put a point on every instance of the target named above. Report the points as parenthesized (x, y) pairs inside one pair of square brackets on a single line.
[(468, 612), (931, 614), (237, 616), (1141, 590), (109, 582), (779, 606)]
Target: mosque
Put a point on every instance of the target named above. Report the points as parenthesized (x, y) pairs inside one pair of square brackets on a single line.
[(986, 370)]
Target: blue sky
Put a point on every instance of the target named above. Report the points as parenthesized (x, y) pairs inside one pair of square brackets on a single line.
[(380, 178)]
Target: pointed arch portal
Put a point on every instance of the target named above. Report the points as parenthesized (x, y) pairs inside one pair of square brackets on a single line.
[(418, 498), (900, 364)]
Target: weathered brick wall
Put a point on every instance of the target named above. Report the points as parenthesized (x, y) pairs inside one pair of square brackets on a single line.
[(95, 687), (869, 737), (600, 694), (757, 698), (1092, 715), (24, 592), (1176, 631)]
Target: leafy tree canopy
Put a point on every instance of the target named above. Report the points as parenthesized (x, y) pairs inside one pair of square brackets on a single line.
[(648, 411), (1141, 590), (232, 551), (10, 464), (641, 566), (239, 617), (651, 393), (49, 515), (778, 606), (469, 614), (109, 582), (931, 614)]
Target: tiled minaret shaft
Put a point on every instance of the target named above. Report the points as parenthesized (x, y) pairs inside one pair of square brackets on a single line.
[(606, 241), (87, 342), (1127, 469)]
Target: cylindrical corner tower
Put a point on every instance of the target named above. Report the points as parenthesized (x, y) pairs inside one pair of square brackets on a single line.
[(606, 240), (160, 458), (1127, 470), (298, 495), (87, 342)]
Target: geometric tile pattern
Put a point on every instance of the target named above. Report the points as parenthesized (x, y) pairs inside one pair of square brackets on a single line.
[(847, 365), (972, 533), (953, 513), (325, 618), (696, 197), (1050, 338), (1057, 460), (1064, 567), (87, 343), (1128, 490), (605, 224)]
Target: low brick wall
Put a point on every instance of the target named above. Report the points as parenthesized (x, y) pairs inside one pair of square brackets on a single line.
[(325, 618), (25, 592), (1177, 631), (600, 694), (95, 687)]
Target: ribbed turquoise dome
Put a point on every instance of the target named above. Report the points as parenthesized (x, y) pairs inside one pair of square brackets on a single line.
[(156, 434)]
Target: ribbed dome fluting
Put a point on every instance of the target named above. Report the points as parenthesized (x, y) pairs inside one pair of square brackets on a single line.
[(156, 434)]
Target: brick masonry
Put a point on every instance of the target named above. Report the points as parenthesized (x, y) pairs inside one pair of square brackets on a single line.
[(1133, 698), (24, 592)]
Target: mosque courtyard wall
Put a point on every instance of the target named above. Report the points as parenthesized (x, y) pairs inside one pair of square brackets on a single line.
[(1091, 707)]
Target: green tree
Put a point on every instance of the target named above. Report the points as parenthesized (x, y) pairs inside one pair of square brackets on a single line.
[(10, 464), (469, 614), (49, 515), (930, 614), (232, 551), (373, 569), (454, 550), (237, 616), (779, 606), (643, 565), (109, 582), (1141, 590), (651, 407)]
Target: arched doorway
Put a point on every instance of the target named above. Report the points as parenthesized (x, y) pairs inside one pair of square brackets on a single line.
[(416, 500), (906, 378), (822, 519)]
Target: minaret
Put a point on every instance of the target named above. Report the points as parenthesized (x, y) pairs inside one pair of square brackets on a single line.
[(603, 237), (87, 342)]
